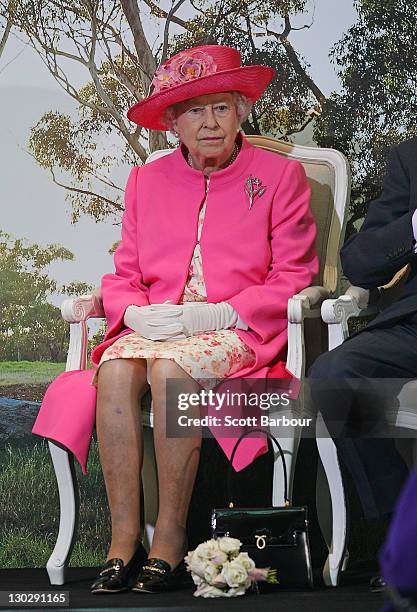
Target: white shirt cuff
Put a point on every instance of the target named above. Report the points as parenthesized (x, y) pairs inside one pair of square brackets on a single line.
[(414, 222), (241, 324)]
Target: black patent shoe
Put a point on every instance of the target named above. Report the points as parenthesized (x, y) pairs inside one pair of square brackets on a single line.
[(115, 576), (377, 584), (156, 576)]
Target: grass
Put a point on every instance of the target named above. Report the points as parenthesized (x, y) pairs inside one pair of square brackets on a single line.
[(29, 372), (29, 512)]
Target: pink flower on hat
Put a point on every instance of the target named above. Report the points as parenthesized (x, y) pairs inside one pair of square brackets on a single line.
[(183, 67)]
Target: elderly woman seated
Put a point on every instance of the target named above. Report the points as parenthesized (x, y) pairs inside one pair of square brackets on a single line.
[(215, 238)]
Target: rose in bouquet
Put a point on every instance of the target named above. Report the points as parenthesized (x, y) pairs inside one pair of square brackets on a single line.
[(219, 569)]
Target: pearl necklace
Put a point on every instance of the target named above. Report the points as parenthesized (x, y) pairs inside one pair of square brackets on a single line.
[(235, 153)]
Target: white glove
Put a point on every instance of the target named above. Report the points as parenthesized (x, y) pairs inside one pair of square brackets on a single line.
[(199, 317), (195, 317), (154, 322)]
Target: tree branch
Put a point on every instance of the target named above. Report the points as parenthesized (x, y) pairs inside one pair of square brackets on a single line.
[(287, 26), (93, 21), (295, 62), (87, 192), (158, 12), (143, 50), (252, 44), (62, 80), (105, 25), (219, 17), (198, 10), (112, 110), (106, 181), (301, 127), (8, 27), (18, 54), (306, 26), (115, 205), (157, 140), (169, 18), (120, 75)]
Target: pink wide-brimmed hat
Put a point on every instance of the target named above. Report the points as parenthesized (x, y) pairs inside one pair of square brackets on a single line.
[(195, 72)]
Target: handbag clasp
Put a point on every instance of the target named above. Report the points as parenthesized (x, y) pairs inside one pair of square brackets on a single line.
[(260, 541)]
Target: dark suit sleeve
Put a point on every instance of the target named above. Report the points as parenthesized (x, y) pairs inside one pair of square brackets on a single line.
[(385, 242)]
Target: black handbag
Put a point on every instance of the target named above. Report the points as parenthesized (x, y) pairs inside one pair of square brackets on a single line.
[(273, 537)]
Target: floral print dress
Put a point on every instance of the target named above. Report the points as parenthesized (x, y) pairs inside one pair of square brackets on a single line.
[(212, 354)]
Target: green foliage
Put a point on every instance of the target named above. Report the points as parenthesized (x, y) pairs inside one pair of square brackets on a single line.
[(76, 288), (98, 337), (30, 326), (92, 120), (52, 141), (377, 106), (29, 512), (65, 147)]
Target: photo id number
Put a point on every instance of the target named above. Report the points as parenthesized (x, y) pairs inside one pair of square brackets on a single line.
[(30, 598)]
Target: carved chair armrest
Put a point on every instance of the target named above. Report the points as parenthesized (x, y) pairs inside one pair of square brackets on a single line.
[(315, 295), (306, 303), (356, 302), (303, 305), (82, 308), (336, 313), (359, 302), (77, 311)]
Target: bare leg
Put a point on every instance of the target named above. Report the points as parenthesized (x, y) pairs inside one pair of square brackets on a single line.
[(121, 383), (177, 460)]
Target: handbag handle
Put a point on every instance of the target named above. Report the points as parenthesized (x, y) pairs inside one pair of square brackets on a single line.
[(284, 466)]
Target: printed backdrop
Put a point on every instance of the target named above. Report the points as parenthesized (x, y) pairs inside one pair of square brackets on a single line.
[(346, 79)]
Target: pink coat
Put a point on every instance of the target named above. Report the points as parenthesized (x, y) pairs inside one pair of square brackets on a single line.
[(254, 258)]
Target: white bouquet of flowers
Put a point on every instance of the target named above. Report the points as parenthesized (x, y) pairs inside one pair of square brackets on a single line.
[(219, 569)]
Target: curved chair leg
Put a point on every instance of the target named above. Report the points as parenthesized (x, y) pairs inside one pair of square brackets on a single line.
[(324, 511), (289, 445), (337, 548), (323, 505), (150, 486), (63, 463)]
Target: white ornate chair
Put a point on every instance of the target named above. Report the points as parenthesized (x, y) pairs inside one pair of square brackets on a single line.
[(335, 313), (329, 177)]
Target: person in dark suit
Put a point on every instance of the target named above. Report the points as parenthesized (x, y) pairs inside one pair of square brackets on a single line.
[(387, 347)]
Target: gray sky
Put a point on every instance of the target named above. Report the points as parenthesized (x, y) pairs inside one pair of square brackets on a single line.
[(33, 207)]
